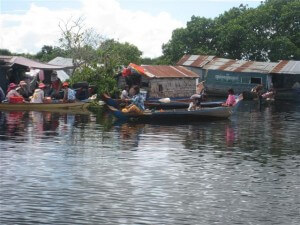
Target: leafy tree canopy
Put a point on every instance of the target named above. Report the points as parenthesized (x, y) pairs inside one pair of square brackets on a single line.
[(269, 32)]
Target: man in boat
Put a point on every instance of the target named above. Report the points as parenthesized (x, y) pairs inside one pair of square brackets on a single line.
[(69, 94), (23, 89), (38, 94), (56, 86), (230, 99), (137, 106)]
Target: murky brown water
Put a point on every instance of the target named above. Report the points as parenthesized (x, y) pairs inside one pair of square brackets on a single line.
[(85, 169)]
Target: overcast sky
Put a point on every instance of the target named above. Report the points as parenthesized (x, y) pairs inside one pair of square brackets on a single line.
[(27, 25)]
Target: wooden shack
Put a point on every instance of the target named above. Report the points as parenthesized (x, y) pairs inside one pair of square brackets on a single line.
[(161, 81)]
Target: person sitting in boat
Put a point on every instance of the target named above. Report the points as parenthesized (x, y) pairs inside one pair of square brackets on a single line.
[(38, 94), (12, 92), (230, 99), (56, 86), (23, 89), (196, 102), (69, 94), (137, 105), (125, 93)]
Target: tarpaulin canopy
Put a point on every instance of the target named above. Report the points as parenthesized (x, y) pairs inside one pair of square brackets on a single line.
[(31, 63)]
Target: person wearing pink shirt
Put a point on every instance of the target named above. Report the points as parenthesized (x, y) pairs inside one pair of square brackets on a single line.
[(230, 99)]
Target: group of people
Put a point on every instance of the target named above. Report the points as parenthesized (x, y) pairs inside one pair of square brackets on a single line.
[(42, 94), (137, 100)]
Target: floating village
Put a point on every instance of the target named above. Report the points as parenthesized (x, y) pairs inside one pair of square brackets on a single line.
[(169, 91)]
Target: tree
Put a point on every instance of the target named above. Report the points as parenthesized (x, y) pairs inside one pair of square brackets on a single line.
[(48, 53), (80, 42), (120, 53), (269, 32), (5, 52)]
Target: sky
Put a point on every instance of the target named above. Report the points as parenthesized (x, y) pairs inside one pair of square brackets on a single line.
[(27, 25)]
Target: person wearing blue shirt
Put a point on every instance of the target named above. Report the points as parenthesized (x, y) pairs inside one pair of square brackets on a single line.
[(137, 105)]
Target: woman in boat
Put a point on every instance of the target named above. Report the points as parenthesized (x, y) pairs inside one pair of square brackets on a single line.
[(137, 106), (12, 92), (230, 99), (38, 94), (69, 94)]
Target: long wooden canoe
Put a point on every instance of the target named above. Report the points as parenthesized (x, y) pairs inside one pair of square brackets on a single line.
[(182, 104), (44, 106), (175, 115)]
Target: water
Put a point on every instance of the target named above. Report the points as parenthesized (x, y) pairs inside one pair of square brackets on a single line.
[(88, 169)]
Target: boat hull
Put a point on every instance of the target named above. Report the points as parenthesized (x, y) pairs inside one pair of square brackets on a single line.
[(44, 106), (216, 113), (182, 104)]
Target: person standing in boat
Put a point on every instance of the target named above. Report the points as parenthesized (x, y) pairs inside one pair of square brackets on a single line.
[(69, 94), (38, 94), (230, 99), (137, 105)]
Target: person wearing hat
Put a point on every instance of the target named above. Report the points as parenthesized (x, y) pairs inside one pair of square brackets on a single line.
[(23, 89), (69, 94), (38, 94), (12, 92)]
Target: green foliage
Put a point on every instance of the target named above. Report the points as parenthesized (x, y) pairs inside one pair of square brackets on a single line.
[(48, 53), (268, 32), (100, 76), (5, 52), (120, 53)]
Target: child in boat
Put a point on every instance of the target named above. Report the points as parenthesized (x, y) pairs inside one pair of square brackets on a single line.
[(69, 94), (125, 94), (38, 94), (137, 105), (230, 99)]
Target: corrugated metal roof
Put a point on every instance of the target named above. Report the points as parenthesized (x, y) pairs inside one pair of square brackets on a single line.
[(287, 67), (30, 63), (195, 60), (239, 65), (162, 71), (61, 61)]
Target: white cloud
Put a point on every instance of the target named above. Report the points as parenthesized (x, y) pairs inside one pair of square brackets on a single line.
[(28, 32)]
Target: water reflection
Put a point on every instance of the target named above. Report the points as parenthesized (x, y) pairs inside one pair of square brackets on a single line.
[(61, 168)]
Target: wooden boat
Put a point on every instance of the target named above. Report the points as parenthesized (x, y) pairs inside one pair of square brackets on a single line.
[(181, 104), (175, 115), (44, 106)]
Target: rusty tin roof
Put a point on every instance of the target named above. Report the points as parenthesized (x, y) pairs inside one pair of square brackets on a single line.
[(240, 65), (163, 71), (195, 60), (287, 67)]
